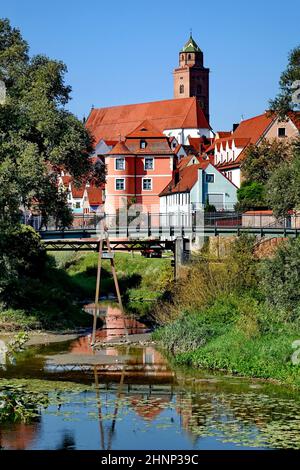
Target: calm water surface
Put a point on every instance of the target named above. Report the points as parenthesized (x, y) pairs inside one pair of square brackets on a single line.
[(132, 398)]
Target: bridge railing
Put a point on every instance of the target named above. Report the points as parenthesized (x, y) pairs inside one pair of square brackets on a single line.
[(171, 223)]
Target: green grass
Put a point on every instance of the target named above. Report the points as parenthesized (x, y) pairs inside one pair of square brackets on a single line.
[(141, 280), (235, 334), (53, 302)]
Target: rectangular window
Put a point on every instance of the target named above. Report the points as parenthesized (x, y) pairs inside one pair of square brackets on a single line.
[(149, 163), (281, 132), (147, 184), (210, 178), (77, 205), (120, 184), (120, 163)]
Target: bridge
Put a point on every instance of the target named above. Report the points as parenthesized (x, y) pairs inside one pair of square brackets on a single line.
[(162, 229)]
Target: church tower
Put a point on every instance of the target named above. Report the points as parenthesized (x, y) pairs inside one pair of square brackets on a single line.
[(191, 78)]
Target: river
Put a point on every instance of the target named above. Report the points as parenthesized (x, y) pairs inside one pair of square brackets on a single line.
[(131, 397)]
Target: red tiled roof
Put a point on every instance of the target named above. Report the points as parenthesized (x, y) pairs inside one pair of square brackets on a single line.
[(184, 161), (295, 118), (77, 192), (241, 141), (234, 163), (145, 130), (120, 149), (259, 212), (66, 180), (110, 123), (95, 195), (253, 128), (110, 142), (223, 134), (187, 179), (238, 141), (196, 143)]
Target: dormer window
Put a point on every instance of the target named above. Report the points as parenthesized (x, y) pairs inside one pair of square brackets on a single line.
[(143, 144)]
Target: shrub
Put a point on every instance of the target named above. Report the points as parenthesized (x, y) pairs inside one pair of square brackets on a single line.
[(280, 279), (251, 195), (204, 281)]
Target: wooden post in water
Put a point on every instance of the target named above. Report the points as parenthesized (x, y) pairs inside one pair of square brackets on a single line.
[(98, 280), (113, 268)]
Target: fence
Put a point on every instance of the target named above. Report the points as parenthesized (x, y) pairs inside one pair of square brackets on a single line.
[(192, 220)]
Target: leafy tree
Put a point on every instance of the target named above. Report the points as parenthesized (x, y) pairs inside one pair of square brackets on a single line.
[(280, 277), (38, 139), (288, 97), (38, 136), (22, 257), (283, 187), (251, 195), (261, 160)]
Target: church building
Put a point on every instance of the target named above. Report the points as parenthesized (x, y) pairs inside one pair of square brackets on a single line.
[(187, 115)]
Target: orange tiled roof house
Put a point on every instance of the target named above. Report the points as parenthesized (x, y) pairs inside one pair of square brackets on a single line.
[(138, 169), (230, 150)]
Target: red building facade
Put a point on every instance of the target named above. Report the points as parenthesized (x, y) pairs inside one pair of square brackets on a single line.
[(138, 169)]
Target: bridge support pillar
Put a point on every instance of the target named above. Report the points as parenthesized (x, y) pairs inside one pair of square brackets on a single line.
[(181, 254)]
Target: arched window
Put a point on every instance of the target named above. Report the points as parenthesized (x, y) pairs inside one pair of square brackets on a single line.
[(189, 57), (181, 89), (182, 57), (143, 144)]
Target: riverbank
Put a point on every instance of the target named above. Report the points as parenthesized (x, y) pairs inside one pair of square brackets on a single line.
[(240, 315), (56, 301), (234, 345)]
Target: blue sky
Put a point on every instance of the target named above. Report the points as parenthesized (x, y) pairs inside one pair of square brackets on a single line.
[(121, 52)]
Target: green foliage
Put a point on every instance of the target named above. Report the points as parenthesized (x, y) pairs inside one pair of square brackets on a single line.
[(38, 136), (18, 405), (261, 160), (251, 195), (283, 102), (283, 187), (243, 317), (194, 329), (13, 319), (141, 280), (280, 279), (22, 257), (205, 281)]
